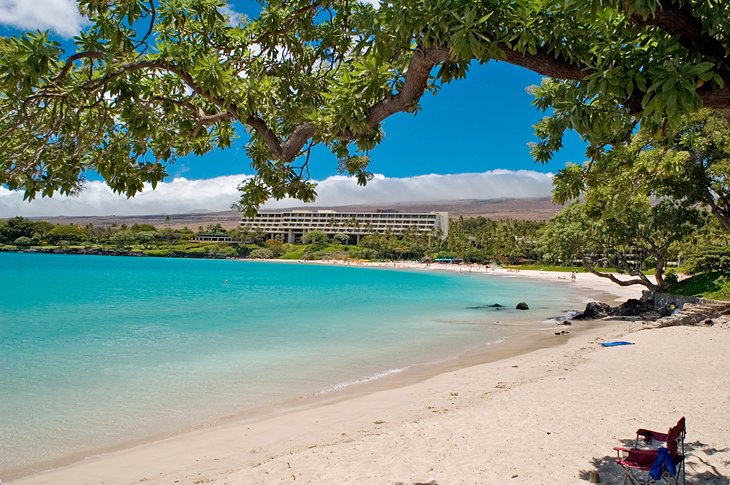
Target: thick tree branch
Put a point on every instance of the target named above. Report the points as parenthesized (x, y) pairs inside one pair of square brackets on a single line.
[(679, 21), (642, 280), (206, 119), (267, 134), (722, 215), (716, 98), (547, 64), (416, 80), (299, 137)]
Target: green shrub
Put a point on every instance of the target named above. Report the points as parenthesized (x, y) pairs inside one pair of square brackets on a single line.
[(161, 253), (23, 241), (197, 251), (295, 252), (68, 233), (276, 247), (262, 253), (363, 253), (710, 258), (648, 263), (315, 237), (224, 250), (671, 277)]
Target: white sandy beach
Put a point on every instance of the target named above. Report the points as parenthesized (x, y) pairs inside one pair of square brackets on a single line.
[(549, 416)]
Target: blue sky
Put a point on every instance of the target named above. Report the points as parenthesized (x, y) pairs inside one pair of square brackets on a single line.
[(474, 125), (480, 123)]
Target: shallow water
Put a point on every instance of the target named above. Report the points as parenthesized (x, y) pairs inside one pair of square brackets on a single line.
[(97, 351)]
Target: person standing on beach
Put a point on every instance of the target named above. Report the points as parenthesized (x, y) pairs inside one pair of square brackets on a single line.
[(573, 276)]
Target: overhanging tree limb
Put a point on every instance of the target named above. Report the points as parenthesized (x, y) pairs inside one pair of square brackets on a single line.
[(641, 280), (678, 19)]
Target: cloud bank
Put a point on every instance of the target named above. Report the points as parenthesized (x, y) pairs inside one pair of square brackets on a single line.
[(217, 194), (60, 16)]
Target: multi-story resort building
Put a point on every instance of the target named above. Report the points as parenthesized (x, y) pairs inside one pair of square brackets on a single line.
[(289, 226)]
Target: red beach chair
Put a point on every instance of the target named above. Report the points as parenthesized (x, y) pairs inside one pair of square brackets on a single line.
[(640, 459)]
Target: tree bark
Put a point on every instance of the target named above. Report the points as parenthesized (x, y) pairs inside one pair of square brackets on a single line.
[(641, 280)]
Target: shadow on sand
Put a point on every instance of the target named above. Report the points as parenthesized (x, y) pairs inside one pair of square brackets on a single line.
[(696, 452)]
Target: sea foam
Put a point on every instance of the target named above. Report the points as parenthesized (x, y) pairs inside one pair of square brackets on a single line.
[(362, 380)]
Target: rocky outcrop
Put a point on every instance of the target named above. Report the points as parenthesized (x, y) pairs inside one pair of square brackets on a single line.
[(702, 312), (522, 306), (663, 309), (642, 309), (594, 310)]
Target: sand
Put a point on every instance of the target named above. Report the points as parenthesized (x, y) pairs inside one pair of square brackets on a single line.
[(549, 416)]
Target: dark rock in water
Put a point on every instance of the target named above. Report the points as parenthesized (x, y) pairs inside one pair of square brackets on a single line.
[(522, 306), (709, 322), (594, 309), (494, 306), (567, 322)]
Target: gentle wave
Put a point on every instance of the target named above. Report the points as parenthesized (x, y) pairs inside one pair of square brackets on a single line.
[(362, 380), (495, 342), (568, 315)]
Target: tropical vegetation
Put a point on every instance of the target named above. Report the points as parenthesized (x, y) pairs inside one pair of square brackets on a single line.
[(153, 80), (644, 83)]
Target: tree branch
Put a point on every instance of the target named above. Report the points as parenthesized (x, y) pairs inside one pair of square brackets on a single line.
[(267, 134), (416, 80), (296, 14), (297, 140), (679, 21), (153, 14), (546, 64), (75, 57), (716, 98), (636, 281)]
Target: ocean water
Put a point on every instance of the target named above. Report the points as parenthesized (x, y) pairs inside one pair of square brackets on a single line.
[(97, 351)]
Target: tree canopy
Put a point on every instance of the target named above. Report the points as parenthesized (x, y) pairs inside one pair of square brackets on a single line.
[(690, 165), (626, 231), (152, 80)]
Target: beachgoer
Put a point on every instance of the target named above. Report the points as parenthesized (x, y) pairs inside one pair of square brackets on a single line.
[(573, 276)]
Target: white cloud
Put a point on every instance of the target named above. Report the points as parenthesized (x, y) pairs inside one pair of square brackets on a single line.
[(217, 194), (341, 190), (179, 196), (229, 12), (60, 16)]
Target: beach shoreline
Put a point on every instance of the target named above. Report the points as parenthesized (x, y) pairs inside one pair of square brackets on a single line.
[(298, 440), (602, 288)]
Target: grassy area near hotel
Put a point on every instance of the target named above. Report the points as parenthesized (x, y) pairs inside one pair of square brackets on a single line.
[(714, 285)]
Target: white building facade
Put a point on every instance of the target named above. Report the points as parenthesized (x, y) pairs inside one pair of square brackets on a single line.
[(289, 226)]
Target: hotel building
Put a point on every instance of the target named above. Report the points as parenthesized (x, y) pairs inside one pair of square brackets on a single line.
[(289, 226)]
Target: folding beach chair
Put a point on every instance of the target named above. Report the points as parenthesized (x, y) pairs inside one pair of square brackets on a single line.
[(661, 464)]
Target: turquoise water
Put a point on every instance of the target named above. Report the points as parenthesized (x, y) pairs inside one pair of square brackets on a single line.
[(96, 351)]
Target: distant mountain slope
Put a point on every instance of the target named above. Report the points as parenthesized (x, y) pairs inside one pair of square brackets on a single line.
[(527, 209)]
